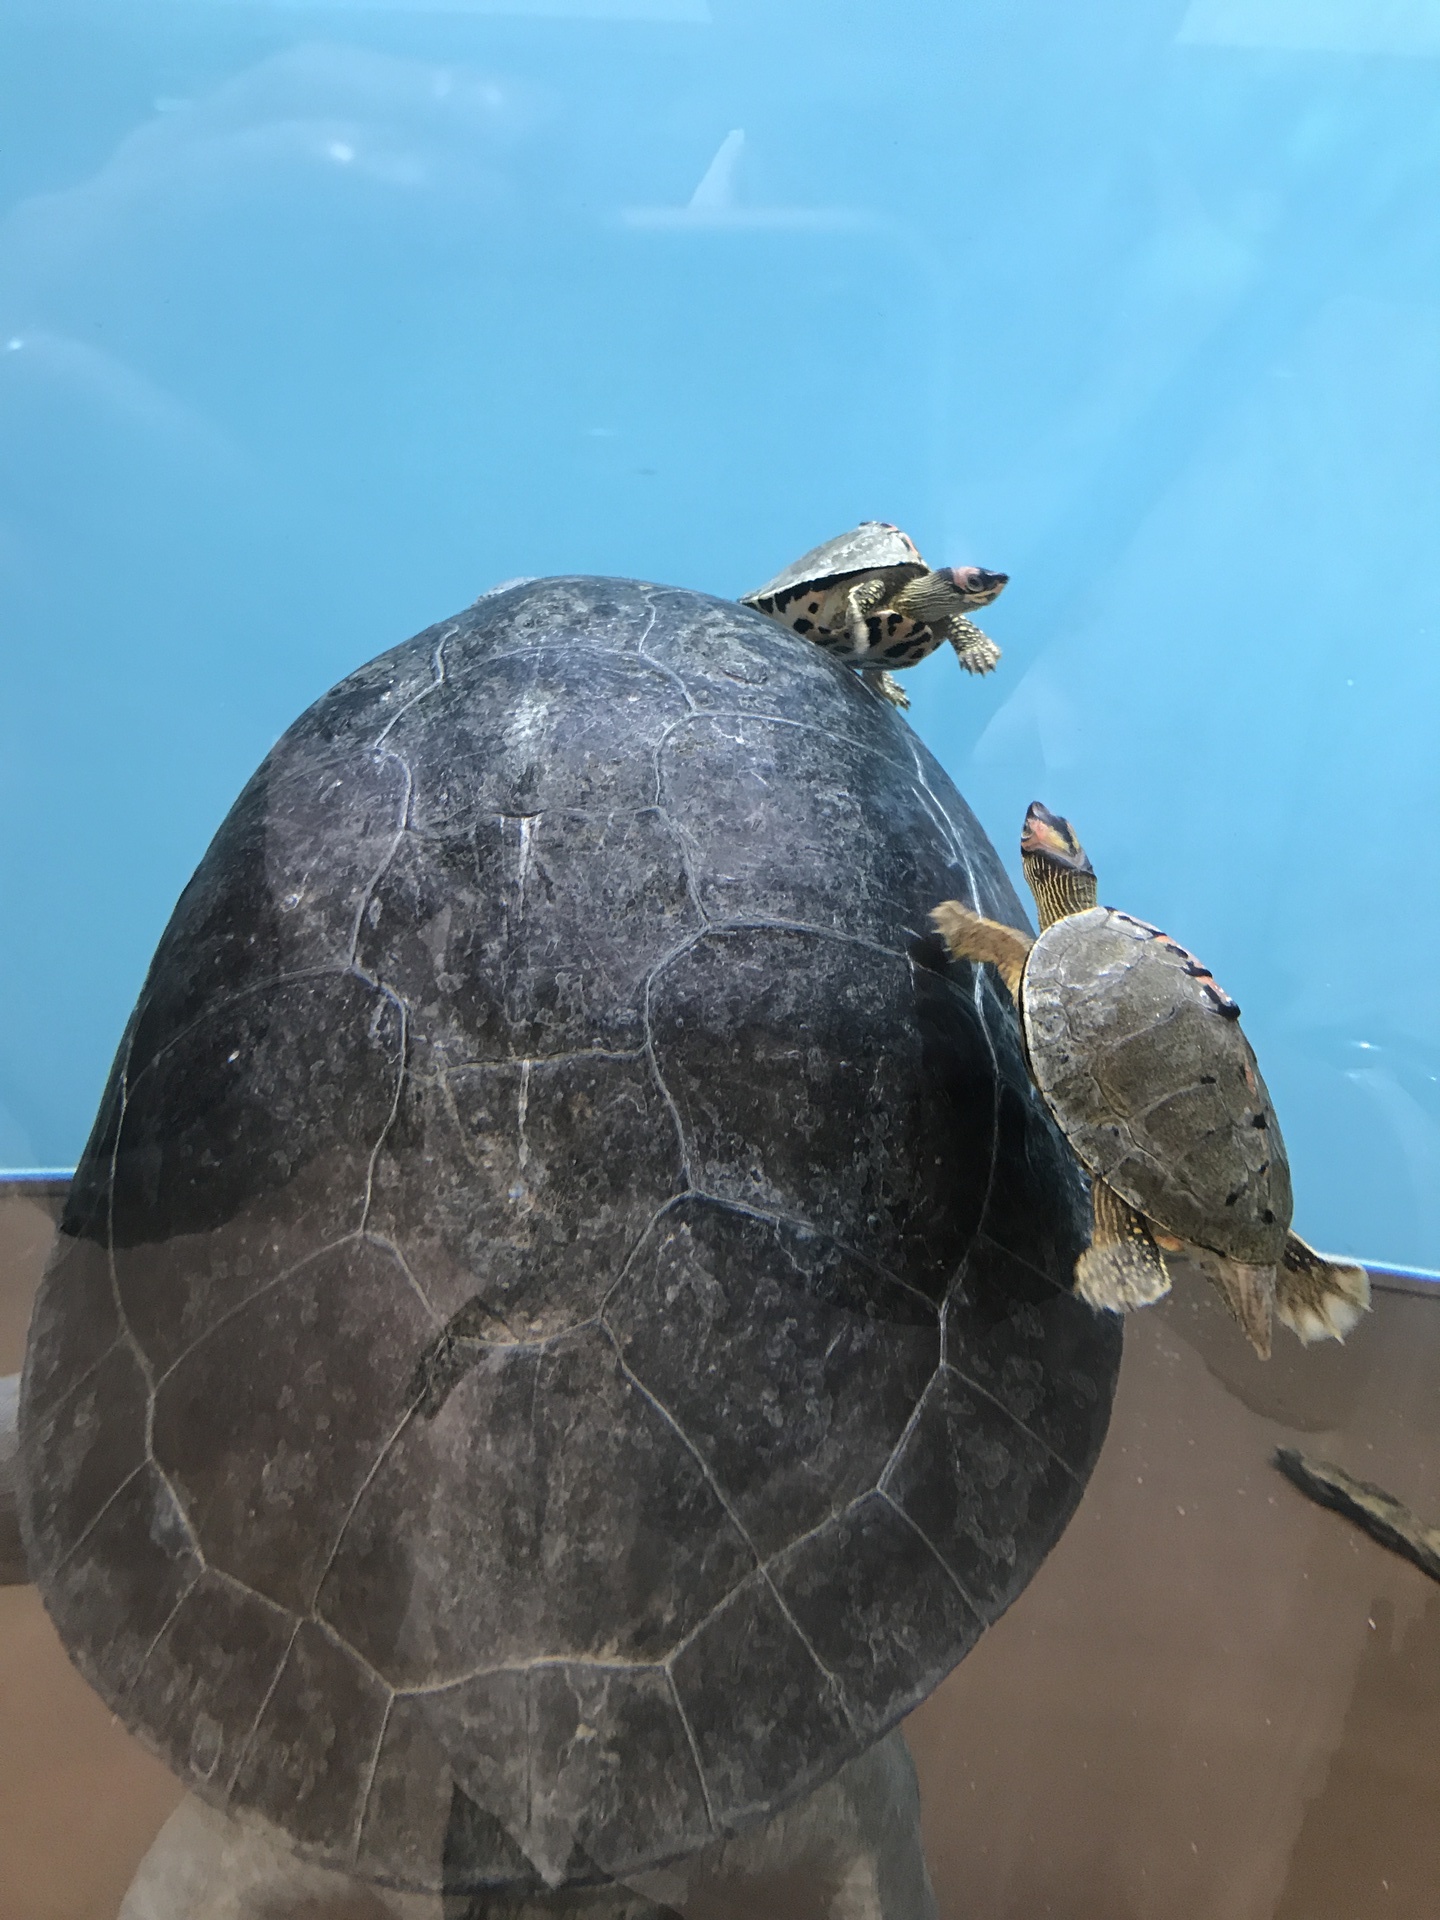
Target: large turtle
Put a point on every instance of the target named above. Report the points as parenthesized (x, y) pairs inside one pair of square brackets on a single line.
[(559, 1336), (1140, 1057), (868, 598)]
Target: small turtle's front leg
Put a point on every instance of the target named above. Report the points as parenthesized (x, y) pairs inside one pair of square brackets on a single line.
[(886, 685), (969, 936), (975, 650), (860, 602), (1122, 1268)]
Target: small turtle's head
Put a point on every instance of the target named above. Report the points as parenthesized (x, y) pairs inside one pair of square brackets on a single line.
[(975, 586), (949, 591), (1056, 866)]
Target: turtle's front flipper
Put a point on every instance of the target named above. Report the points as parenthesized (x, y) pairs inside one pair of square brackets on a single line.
[(971, 937), (860, 602), (1319, 1298), (1122, 1268), (886, 685), (975, 650)]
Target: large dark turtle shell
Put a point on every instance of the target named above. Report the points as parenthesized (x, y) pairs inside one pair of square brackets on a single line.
[(1142, 1061), (561, 1333)]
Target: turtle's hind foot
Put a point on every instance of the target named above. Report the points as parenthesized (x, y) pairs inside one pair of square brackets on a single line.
[(1122, 1268), (886, 685), (1319, 1298)]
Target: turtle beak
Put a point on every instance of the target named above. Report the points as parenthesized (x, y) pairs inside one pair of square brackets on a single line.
[(1051, 837)]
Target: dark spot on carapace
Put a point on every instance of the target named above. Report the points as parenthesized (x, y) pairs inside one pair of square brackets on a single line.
[(814, 607), (803, 626)]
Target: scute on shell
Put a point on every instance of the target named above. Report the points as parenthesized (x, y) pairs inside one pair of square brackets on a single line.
[(1157, 1091), (873, 544)]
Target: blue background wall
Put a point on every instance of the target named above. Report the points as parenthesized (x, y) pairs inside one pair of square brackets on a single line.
[(317, 320)]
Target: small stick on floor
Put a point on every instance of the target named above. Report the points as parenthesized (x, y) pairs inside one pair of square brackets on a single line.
[(1380, 1514)]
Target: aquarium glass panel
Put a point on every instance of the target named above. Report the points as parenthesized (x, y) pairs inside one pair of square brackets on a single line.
[(317, 320)]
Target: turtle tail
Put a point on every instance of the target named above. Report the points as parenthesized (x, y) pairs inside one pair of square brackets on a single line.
[(1249, 1292), (1319, 1298)]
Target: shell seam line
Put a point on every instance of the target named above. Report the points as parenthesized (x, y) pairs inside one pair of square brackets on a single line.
[(350, 1511), (165, 1626), (694, 1744), (387, 1245), (260, 1711), (340, 970), (1013, 1417), (659, 665), (380, 751), (761, 1567), (402, 1051), (142, 1359), (540, 1663), (940, 1560), (364, 1805), (240, 1306), (893, 1457), (98, 1515)]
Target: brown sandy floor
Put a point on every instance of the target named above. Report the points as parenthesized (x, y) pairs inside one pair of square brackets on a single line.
[(1215, 1702)]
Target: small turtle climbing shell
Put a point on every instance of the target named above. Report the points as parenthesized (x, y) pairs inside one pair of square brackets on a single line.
[(868, 597)]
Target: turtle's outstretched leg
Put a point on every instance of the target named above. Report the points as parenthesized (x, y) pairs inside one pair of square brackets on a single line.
[(886, 685), (1319, 1298), (860, 602), (1123, 1267), (975, 650), (969, 936)]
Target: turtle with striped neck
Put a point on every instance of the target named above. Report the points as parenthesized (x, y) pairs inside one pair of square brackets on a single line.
[(868, 598), (1139, 1055)]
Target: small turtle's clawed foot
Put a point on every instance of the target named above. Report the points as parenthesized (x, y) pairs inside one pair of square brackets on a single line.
[(1122, 1268), (1319, 1298), (886, 685), (976, 651), (969, 936)]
